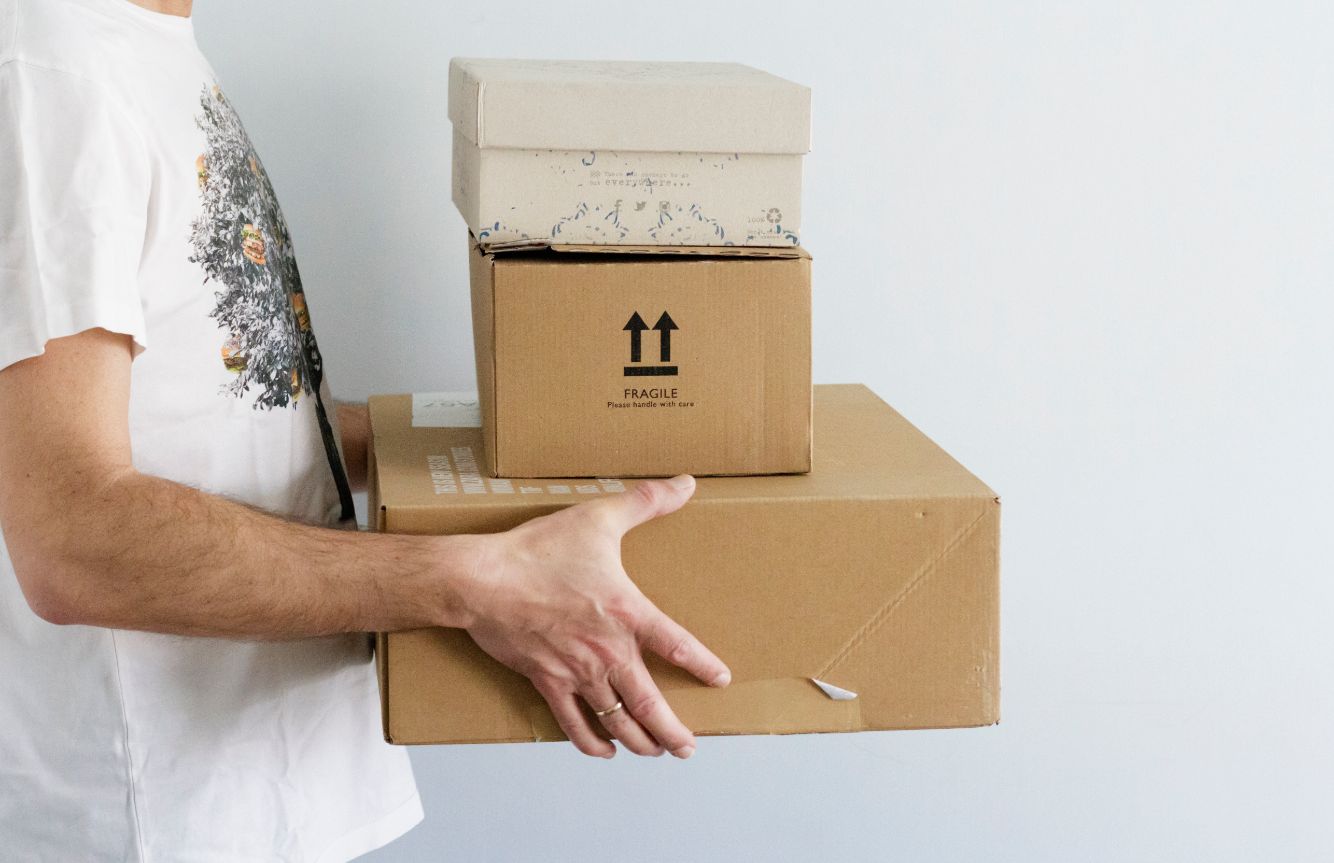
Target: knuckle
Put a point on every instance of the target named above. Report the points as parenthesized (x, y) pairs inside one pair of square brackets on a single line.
[(647, 493), (603, 654), (620, 672), (583, 671), (552, 681), (679, 651), (644, 704), (624, 608), (551, 693), (589, 665)]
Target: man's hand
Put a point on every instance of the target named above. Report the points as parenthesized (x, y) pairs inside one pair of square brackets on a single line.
[(551, 600)]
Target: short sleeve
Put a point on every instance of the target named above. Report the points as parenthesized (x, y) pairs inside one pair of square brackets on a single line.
[(75, 185)]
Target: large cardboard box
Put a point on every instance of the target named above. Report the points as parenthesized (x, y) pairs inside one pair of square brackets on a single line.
[(627, 153), (877, 574), (643, 362)]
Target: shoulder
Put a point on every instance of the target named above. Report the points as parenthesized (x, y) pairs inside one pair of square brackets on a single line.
[(62, 61), (80, 38)]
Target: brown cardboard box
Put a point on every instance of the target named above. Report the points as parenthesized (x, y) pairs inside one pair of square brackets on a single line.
[(643, 361), (876, 574)]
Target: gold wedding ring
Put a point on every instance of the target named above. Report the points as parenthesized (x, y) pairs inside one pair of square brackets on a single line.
[(610, 710)]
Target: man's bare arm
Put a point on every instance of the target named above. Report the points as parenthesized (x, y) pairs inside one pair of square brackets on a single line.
[(354, 424), (95, 542)]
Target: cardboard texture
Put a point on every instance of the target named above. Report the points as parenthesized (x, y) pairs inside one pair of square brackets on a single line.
[(876, 575), (643, 364), (627, 152)]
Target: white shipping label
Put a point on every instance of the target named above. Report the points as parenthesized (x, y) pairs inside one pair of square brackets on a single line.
[(453, 409)]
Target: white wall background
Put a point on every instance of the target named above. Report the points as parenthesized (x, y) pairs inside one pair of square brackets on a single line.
[(1088, 246)]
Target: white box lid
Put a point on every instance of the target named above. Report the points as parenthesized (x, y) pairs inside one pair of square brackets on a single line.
[(661, 107)]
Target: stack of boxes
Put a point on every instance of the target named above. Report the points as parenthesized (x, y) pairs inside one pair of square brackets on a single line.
[(637, 283), (641, 307)]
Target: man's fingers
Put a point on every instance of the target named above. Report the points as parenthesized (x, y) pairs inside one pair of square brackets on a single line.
[(565, 707), (619, 723), (674, 643), (646, 704), (647, 499)]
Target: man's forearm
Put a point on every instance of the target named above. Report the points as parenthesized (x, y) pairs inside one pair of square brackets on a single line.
[(176, 560)]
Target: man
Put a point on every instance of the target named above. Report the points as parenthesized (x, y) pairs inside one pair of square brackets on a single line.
[(184, 673)]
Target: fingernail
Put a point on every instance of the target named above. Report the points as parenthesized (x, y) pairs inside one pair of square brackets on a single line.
[(684, 752), (684, 482), (722, 679), (611, 754)]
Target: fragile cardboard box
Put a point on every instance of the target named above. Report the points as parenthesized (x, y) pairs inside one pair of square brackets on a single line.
[(877, 574), (640, 362), (627, 152)]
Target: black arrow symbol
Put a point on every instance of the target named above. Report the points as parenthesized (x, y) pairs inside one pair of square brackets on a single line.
[(636, 326), (664, 326)]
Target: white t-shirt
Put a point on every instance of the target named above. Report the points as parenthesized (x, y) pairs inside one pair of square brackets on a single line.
[(131, 199)]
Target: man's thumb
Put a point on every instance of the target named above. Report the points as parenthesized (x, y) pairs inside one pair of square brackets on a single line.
[(650, 499)]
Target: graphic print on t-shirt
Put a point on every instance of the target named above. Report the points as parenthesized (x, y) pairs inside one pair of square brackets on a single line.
[(241, 240)]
